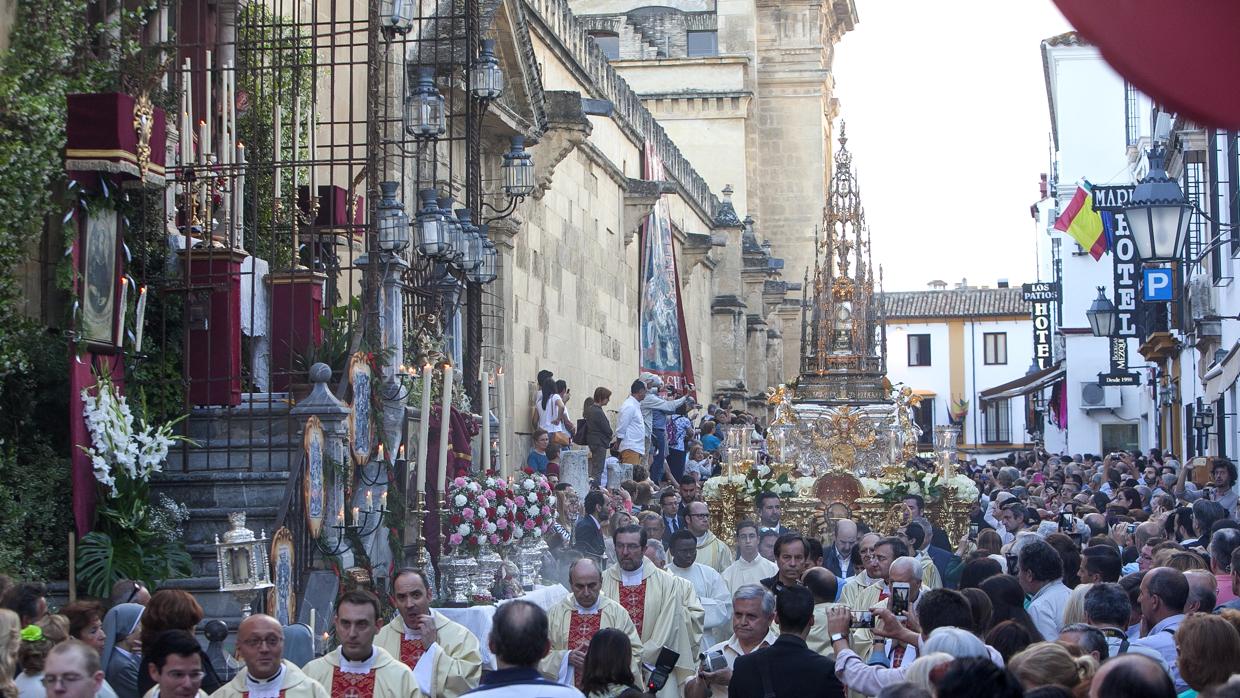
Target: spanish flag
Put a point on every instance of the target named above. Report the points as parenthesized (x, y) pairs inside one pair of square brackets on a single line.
[(1083, 223)]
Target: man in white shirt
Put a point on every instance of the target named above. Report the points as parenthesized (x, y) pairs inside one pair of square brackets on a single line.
[(749, 567), (711, 590), (1040, 572), (753, 610), (1164, 592), (631, 429)]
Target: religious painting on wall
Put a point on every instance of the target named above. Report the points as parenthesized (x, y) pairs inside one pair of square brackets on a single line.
[(101, 300), (663, 342), (315, 489), (361, 421), (282, 597)]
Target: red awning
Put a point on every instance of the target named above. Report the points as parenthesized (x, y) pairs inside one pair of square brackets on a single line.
[(1183, 55)]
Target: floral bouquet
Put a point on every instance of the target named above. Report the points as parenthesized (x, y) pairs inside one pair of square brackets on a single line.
[(482, 513), (534, 503), (132, 538)]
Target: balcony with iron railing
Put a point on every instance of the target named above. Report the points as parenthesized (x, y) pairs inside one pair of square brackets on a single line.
[(1157, 332)]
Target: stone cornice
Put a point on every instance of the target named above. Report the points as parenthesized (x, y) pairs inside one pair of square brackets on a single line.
[(556, 24)]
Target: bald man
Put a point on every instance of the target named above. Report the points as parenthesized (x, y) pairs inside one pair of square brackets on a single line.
[(267, 674), (839, 559), (575, 620), (444, 655)]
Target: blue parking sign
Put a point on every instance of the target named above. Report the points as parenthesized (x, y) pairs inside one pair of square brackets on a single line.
[(1156, 285)]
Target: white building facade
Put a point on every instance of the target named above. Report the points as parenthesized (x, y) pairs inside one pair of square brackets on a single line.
[(1097, 122), (952, 344)]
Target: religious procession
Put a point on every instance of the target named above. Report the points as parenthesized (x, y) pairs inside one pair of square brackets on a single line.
[(295, 294)]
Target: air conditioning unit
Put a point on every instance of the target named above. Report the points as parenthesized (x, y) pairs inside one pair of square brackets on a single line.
[(1099, 397)]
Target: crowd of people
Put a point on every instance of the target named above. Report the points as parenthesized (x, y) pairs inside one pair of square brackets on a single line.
[(1085, 574), (1080, 575)]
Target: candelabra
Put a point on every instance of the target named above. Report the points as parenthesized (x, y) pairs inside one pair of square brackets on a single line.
[(362, 524)]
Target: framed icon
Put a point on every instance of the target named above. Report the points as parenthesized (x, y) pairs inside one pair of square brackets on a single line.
[(101, 296)]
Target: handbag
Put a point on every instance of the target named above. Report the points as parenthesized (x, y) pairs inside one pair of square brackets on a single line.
[(561, 438), (579, 436)]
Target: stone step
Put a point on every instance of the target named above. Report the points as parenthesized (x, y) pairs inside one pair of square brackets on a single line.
[(224, 456), (236, 488), (207, 522)]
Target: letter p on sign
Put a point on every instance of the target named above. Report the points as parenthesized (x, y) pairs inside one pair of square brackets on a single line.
[(1156, 285)]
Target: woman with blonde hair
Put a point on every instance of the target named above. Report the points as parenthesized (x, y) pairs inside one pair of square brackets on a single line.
[(1051, 664), (920, 671), (1074, 609), (1208, 651), (10, 639)]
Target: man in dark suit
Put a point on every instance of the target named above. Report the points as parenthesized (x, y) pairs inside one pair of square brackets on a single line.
[(788, 668), (588, 535), (770, 510), (843, 559), (669, 509), (938, 537)]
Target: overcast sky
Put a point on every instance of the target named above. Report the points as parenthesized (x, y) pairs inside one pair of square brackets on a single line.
[(949, 129)]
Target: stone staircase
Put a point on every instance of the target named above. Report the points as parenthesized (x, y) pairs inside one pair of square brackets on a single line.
[(241, 463)]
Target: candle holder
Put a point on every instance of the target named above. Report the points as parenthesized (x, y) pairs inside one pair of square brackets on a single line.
[(361, 527)]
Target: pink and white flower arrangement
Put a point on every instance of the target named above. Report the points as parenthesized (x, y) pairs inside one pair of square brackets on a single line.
[(533, 500), (479, 511)]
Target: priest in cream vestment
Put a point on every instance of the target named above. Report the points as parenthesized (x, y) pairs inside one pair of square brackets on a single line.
[(711, 592), (749, 567), (260, 640), (577, 618), (445, 657), (663, 608), (358, 669), (711, 551)]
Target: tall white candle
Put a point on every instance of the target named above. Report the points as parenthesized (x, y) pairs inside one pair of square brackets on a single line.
[(208, 108), (239, 208), (445, 416), (296, 154), (202, 142), (504, 466), (424, 426), (124, 308), (312, 156), (138, 320), (277, 152), (486, 421)]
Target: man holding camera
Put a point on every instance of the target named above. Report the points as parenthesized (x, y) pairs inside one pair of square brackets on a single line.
[(753, 610), (788, 668)]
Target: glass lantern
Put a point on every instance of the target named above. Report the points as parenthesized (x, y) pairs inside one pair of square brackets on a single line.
[(518, 169), (425, 117), (241, 561), (432, 231), (392, 221), (488, 269), (1102, 315), (456, 234), (1158, 215), (397, 16), (486, 80), (473, 241)]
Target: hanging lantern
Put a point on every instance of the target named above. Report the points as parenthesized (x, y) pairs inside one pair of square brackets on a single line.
[(486, 80), (518, 169), (397, 16), (392, 221), (425, 117), (1102, 315), (1158, 214), (456, 236), (473, 241), (432, 232), (488, 269)]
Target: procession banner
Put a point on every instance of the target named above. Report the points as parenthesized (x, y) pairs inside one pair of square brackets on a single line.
[(664, 346)]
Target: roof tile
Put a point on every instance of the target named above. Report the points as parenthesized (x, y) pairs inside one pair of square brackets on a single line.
[(968, 303)]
